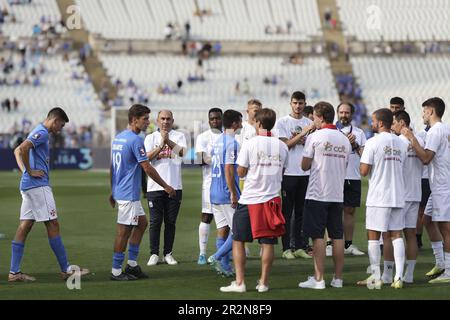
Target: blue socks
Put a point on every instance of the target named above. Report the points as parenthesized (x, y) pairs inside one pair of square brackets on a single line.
[(60, 252), (118, 258), (133, 252), (17, 249), (226, 248), (219, 244)]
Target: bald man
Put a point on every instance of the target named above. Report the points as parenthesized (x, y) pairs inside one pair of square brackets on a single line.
[(165, 149)]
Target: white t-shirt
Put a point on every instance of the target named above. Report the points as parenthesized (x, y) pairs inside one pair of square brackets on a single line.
[(287, 127), (423, 135), (330, 151), (247, 132), (167, 163), (353, 172), (386, 153), (265, 158), (438, 141), (204, 144), (412, 171)]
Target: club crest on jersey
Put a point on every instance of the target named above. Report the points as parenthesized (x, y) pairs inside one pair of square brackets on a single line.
[(298, 129), (36, 136)]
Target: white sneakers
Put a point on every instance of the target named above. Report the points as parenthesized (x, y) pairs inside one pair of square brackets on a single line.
[(312, 283), (337, 283), (168, 258), (261, 287), (354, 251), (234, 287), (153, 261)]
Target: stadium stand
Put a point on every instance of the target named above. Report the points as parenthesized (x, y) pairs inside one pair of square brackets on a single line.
[(400, 20), (250, 20), (26, 18), (413, 78)]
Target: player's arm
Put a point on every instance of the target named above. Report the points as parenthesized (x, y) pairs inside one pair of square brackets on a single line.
[(425, 155), (22, 155), (111, 199), (229, 176), (202, 158), (299, 138), (306, 163), (365, 169), (152, 154), (242, 171), (152, 173)]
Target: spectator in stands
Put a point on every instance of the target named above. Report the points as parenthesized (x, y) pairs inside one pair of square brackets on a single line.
[(179, 85), (168, 31), (245, 89), (217, 48), (327, 16), (187, 30), (288, 26), (15, 104)]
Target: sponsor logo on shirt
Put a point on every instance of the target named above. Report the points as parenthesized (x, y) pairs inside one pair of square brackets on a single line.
[(142, 152), (330, 147), (36, 136), (391, 151)]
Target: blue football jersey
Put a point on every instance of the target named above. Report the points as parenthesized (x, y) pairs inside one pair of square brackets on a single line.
[(127, 152), (224, 151), (39, 158)]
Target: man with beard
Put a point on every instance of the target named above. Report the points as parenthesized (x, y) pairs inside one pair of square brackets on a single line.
[(352, 184)]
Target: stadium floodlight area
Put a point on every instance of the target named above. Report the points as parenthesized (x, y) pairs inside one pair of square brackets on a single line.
[(57, 88), (415, 79), (221, 74), (399, 20), (243, 20), (27, 15)]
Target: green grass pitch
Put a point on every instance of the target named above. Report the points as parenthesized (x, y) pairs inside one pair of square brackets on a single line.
[(88, 230)]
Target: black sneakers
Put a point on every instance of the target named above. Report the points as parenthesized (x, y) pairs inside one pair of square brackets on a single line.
[(123, 277), (136, 272)]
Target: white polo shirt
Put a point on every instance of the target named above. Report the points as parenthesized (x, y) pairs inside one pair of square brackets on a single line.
[(438, 141), (204, 144), (386, 154), (167, 163), (412, 171), (353, 172), (330, 151), (265, 157), (287, 127), (247, 132)]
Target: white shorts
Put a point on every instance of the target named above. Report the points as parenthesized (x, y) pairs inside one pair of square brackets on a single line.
[(441, 207), (429, 207), (129, 212), (206, 204), (38, 204), (223, 215), (411, 213), (385, 219)]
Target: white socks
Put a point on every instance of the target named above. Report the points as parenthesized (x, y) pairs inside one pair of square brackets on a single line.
[(203, 235), (388, 271), (409, 274), (447, 263), (438, 251), (374, 257), (399, 257), (116, 272), (132, 263)]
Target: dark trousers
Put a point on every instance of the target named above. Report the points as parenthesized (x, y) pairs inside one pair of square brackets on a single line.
[(293, 191), (162, 208)]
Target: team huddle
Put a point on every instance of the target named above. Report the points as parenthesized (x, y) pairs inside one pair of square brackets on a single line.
[(297, 178)]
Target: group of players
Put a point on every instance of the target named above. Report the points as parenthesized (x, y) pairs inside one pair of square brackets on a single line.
[(315, 165)]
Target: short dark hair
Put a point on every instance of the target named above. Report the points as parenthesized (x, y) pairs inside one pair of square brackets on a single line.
[(267, 117), (58, 113), (215, 110), (307, 110), (352, 107), (137, 111), (255, 102), (385, 116), (397, 100), (298, 95), (324, 109), (437, 104), (402, 115), (229, 117)]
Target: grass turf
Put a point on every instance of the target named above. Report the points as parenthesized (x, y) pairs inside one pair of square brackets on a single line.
[(88, 230)]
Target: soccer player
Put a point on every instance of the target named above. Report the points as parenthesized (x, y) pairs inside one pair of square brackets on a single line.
[(224, 192), (165, 149), (426, 191), (308, 112), (38, 205), (396, 104), (352, 185), (295, 180), (326, 154), (437, 155), (413, 177), (248, 127), (203, 149), (383, 160), (127, 158), (261, 160)]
